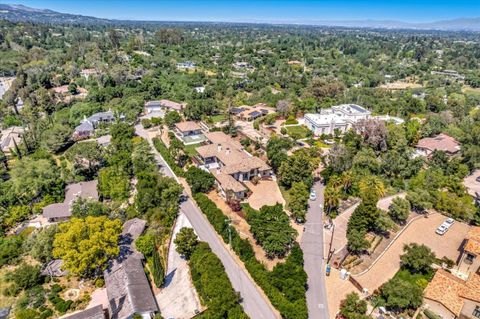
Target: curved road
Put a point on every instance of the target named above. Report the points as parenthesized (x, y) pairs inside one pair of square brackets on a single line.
[(312, 246), (254, 304)]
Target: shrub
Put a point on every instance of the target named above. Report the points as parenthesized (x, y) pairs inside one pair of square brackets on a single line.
[(158, 272), (99, 283), (163, 150), (199, 180), (291, 120), (234, 205), (146, 123), (430, 314), (283, 131), (213, 285)]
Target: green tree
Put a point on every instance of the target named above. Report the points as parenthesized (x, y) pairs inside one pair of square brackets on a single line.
[(86, 245), (371, 188), (25, 276), (145, 244), (113, 184), (199, 180), (417, 258), (399, 209), (298, 200), (356, 241), (40, 243), (352, 307), (86, 157), (400, 294), (158, 272), (271, 228), (299, 168), (186, 241), (56, 138), (171, 118), (277, 148)]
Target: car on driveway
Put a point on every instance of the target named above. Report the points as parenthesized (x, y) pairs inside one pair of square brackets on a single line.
[(445, 226), (478, 179), (313, 195)]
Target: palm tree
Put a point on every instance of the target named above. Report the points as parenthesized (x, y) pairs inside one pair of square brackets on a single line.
[(331, 199), (347, 180), (371, 186)]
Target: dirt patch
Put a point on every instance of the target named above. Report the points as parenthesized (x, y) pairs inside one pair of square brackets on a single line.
[(242, 227), (264, 193), (400, 85)]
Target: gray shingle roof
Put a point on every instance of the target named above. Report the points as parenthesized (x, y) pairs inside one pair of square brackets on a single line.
[(90, 313), (128, 289)]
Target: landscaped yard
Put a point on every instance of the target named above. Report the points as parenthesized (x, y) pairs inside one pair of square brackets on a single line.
[(218, 118), (297, 132)]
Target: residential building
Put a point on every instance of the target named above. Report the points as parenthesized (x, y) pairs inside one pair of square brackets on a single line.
[(339, 117), (242, 65), (54, 269), (456, 294), (62, 211), (128, 289), (162, 106), (470, 258), (87, 73), (189, 132), (88, 125), (186, 65), (9, 137), (441, 142), (251, 113), (230, 164), (200, 89), (452, 297), (96, 312)]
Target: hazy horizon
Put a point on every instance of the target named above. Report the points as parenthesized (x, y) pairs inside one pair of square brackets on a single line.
[(268, 11)]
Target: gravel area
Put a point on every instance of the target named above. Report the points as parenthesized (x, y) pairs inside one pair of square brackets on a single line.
[(178, 298)]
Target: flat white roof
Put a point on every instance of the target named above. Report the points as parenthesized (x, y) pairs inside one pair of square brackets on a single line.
[(326, 118)]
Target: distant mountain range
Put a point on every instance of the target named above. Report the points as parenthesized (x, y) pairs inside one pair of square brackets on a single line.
[(21, 13)]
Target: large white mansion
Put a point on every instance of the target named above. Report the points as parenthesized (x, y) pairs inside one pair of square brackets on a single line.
[(341, 117)]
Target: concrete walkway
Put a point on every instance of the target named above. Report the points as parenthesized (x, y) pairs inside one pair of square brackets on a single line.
[(178, 297)]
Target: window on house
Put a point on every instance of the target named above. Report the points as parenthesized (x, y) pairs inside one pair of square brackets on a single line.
[(470, 257), (476, 312)]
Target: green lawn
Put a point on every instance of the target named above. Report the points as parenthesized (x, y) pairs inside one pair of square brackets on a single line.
[(190, 149), (297, 132), (405, 275), (218, 118)]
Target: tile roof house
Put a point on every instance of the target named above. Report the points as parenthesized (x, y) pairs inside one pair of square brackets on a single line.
[(189, 132), (230, 164), (470, 258), (452, 297), (162, 105), (62, 211), (441, 142), (128, 289)]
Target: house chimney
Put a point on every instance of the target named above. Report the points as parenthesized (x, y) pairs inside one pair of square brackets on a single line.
[(219, 147)]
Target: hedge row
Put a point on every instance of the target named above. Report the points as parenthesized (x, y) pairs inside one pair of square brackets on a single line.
[(285, 285), (212, 284), (163, 150)]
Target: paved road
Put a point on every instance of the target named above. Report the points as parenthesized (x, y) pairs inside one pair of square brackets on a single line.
[(312, 246), (254, 304)]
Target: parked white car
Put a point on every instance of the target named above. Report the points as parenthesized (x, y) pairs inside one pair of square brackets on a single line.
[(445, 226), (313, 195)]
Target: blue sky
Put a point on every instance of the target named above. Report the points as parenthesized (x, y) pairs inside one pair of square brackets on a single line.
[(264, 10)]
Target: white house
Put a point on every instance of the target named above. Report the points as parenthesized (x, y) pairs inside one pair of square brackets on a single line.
[(341, 117)]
